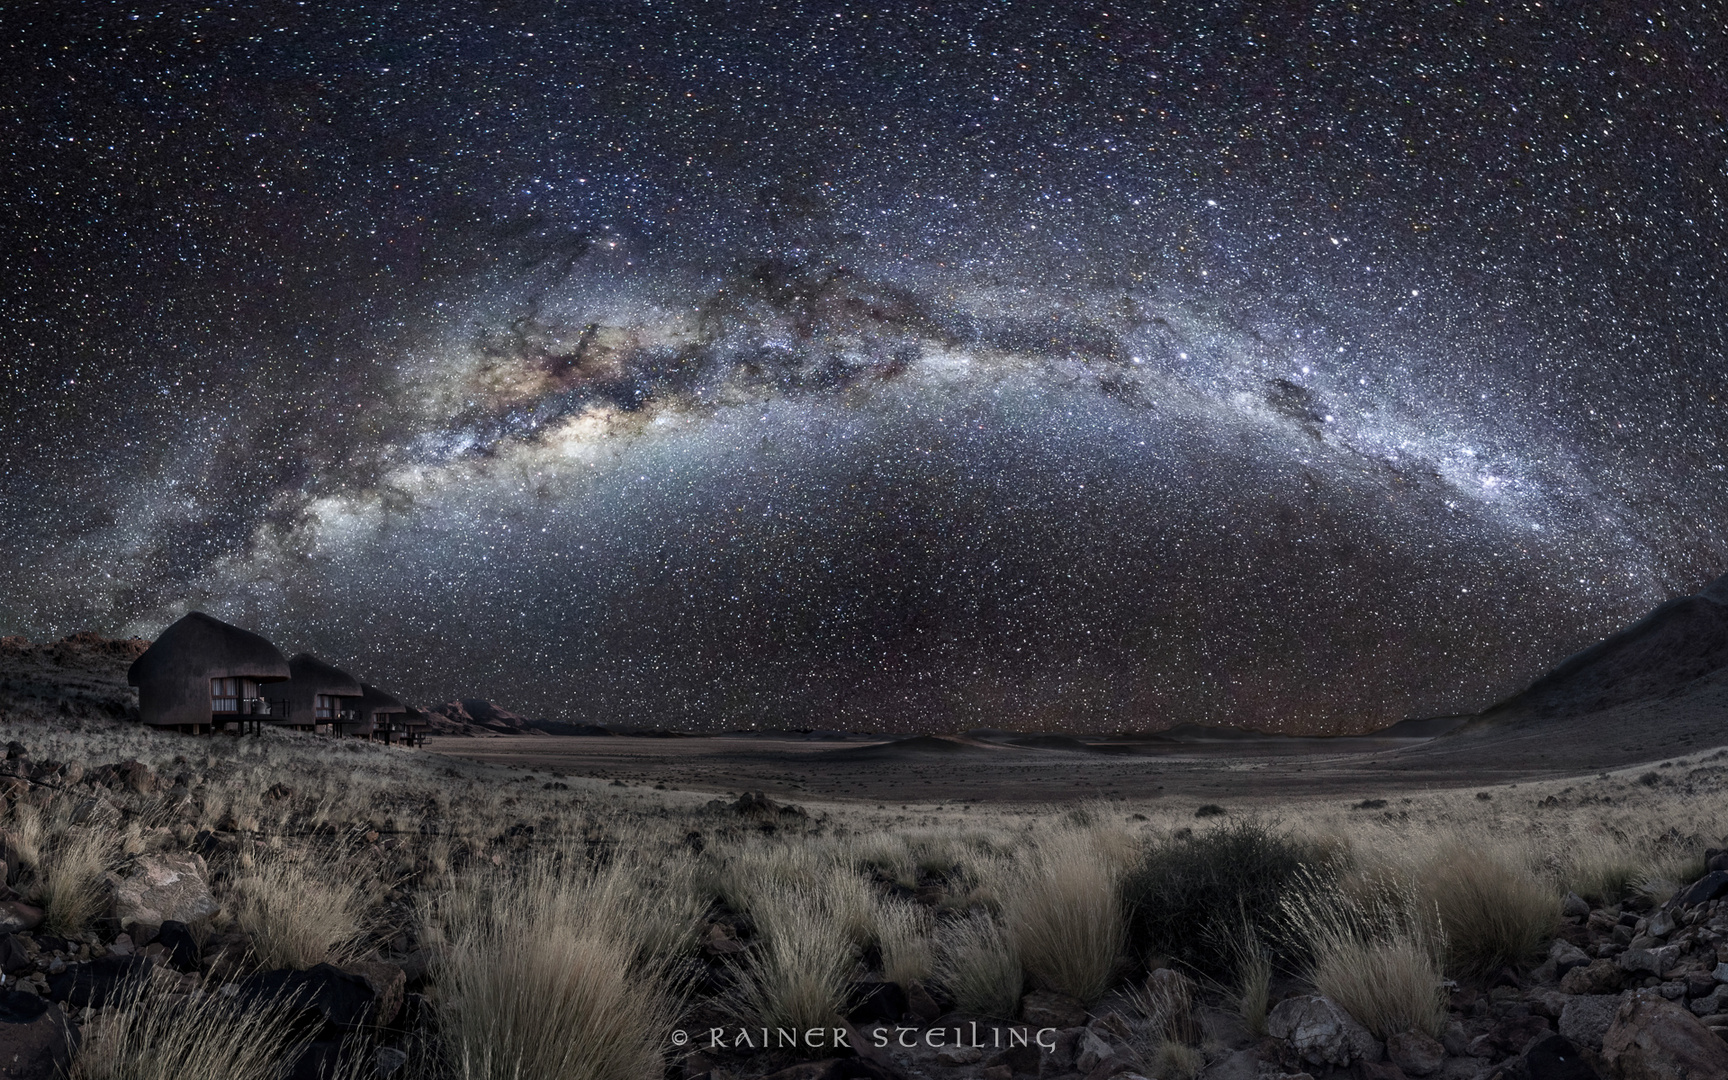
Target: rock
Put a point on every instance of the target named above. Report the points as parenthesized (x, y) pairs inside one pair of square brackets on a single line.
[(331, 1000), (16, 916), (1321, 1032), (1599, 977), (1713, 1002), (387, 982), (1018, 1060), (996, 1072), (1047, 1008), (1567, 956), (1090, 1050), (389, 1059), (1653, 1039), (1721, 973), (877, 1001), (1574, 907), (15, 955), (100, 982), (1650, 961), (1586, 1018), (1241, 1065), (920, 1004), (36, 1039), (96, 811), (1415, 1053), (161, 887), (179, 948), (1661, 924), (1553, 1057), (1384, 1070), (1710, 887), (960, 1055), (134, 776)]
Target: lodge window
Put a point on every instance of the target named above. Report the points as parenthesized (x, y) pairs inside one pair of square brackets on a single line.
[(227, 694), (325, 707)]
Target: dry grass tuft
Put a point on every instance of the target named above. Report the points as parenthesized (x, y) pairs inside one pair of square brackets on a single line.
[(1065, 916), (978, 965), (545, 978), (1493, 911), (198, 1037), (1378, 958), (296, 918), (903, 931), (69, 881), (796, 974)]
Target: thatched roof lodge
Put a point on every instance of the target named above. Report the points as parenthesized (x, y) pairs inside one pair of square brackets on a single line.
[(202, 672), (377, 714), (319, 695)]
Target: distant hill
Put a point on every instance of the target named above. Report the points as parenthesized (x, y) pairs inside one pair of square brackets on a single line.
[(469, 715), (82, 675), (1667, 653)]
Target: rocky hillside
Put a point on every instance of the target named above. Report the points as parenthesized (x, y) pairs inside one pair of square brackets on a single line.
[(83, 675), (475, 716), (1669, 652)]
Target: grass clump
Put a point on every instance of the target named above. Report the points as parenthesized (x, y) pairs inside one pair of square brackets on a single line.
[(1065, 918), (298, 919), (796, 974), (1492, 911), (1378, 957), (195, 1037), (69, 882), (545, 976), (979, 967), (903, 933), (1188, 896)]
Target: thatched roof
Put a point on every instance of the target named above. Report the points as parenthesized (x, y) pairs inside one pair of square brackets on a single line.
[(205, 648), (315, 676), (375, 701)]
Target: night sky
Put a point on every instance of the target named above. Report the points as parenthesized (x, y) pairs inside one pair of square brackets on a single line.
[(898, 366)]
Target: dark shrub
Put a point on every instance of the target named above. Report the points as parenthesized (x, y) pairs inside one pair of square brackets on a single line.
[(1192, 893), (1211, 809)]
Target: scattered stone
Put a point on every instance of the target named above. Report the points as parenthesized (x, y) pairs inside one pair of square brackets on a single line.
[(1322, 1032), (920, 1004), (1586, 1018), (16, 916), (960, 1055), (1553, 1057), (1574, 906), (1650, 961), (331, 1000), (1415, 1053), (1707, 888), (1090, 1050), (1653, 1039), (877, 1001), (1599, 977), (387, 982), (100, 982), (1713, 1002), (36, 1039), (1047, 1008), (389, 1059), (1567, 956), (161, 887)]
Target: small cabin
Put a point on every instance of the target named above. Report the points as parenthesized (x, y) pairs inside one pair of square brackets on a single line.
[(378, 713), (320, 697), (203, 674)]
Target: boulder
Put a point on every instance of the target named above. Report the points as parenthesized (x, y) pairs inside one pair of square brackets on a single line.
[(1322, 1032), (100, 983), (134, 776), (331, 1000), (1586, 1018), (1567, 956), (877, 1001), (179, 947), (1655, 1039), (1047, 1008), (1711, 886), (1415, 1053), (1598, 977), (1650, 961), (36, 1039), (1553, 1057), (387, 982), (15, 955), (1574, 907), (157, 888), (920, 1004), (16, 916)]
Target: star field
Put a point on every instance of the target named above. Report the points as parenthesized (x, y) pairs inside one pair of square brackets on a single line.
[(889, 366)]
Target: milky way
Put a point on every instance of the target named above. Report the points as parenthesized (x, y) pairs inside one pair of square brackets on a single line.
[(869, 366)]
